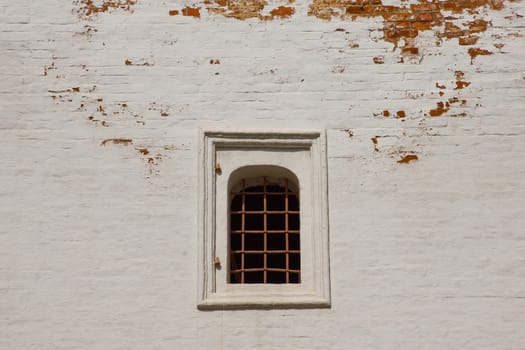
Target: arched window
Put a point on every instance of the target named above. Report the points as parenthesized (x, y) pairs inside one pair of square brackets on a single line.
[(265, 231)]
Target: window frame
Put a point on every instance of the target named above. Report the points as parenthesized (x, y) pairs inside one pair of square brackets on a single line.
[(309, 149)]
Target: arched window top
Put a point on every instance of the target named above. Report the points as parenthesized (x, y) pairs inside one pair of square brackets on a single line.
[(255, 175)]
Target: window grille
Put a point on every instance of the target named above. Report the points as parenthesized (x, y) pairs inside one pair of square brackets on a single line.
[(265, 233)]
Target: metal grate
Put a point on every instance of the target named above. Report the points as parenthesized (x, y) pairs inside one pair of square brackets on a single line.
[(265, 234)]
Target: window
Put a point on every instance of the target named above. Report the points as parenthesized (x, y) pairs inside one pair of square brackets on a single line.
[(263, 220), (265, 231)]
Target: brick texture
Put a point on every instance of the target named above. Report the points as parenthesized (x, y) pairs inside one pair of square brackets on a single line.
[(423, 102)]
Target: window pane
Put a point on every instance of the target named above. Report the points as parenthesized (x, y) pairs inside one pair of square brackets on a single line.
[(235, 242), (294, 241), (255, 189), (254, 277), (253, 261), (274, 188), (277, 261), (253, 222), (294, 278), (276, 241), (236, 203), (235, 222), (253, 241), (235, 277), (293, 203), (295, 261), (254, 202), (293, 222), (276, 277), (235, 261), (276, 222), (275, 202)]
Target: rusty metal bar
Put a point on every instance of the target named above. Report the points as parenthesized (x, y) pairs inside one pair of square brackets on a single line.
[(265, 233), (266, 251), (271, 269), (287, 246), (243, 207)]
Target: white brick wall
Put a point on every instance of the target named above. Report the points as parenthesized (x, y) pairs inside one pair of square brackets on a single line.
[(98, 242)]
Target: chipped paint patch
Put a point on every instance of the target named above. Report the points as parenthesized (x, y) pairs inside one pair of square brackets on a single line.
[(87, 9), (405, 22), (442, 108), (460, 83), (119, 141), (379, 60), (408, 158), (144, 62), (191, 12), (242, 9), (476, 51), (282, 12), (350, 133)]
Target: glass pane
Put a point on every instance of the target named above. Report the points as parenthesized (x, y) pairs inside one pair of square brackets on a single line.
[(235, 222), (237, 203), (255, 189), (254, 222), (294, 278), (276, 241), (275, 202), (293, 203), (294, 241), (254, 277), (274, 188), (293, 222), (253, 261), (276, 277), (254, 202), (253, 241), (277, 261), (295, 261), (276, 222), (235, 242), (235, 277), (235, 261)]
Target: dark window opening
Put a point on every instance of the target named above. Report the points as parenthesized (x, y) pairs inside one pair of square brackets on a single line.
[(264, 234)]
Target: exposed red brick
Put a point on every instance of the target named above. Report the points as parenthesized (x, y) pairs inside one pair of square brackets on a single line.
[(440, 110), (475, 52), (191, 11), (87, 8), (282, 12), (408, 158), (405, 22)]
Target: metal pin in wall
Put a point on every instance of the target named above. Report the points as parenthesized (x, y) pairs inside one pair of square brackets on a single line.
[(217, 262)]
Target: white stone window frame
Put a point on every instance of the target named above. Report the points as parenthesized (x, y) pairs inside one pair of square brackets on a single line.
[(304, 154)]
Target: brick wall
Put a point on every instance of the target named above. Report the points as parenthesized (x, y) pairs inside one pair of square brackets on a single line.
[(423, 105)]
